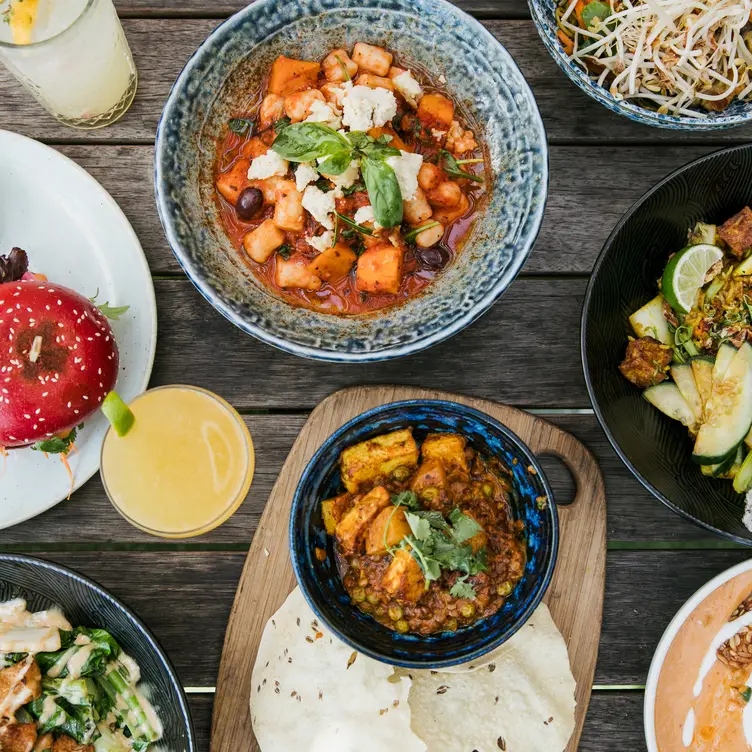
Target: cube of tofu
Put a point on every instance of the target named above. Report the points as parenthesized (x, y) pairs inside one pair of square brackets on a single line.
[(289, 75), (378, 457), (737, 232), (332, 511), (435, 112), (44, 743), (19, 684), (448, 448), (449, 214), (352, 527), (261, 242), (66, 744), (294, 273), (372, 59), (288, 206), (334, 263), (380, 269), (430, 482), (232, 182), (404, 580), (374, 82), (18, 737), (271, 110), (298, 105), (417, 209), (339, 66), (387, 530)]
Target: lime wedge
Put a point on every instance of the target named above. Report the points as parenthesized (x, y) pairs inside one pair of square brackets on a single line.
[(685, 275), (118, 413)]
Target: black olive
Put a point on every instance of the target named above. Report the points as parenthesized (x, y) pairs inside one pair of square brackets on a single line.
[(433, 258), (249, 202)]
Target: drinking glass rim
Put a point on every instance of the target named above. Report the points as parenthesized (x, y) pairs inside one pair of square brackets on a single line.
[(42, 42)]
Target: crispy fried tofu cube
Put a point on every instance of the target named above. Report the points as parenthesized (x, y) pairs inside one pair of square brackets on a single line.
[(261, 242), (232, 182), (18, 737), (352, 527), (332, 511), (737, 232), (380, 269), (372, 59), (289, 75), (430, 481), (435, 111), (378, 457), (19, 684), (404, 580), (448, 448), (334, 263), (387, 530), (66, 744), (44, 743)]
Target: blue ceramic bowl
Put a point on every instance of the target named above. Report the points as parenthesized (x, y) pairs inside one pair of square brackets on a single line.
[(430, 35), (543, 13), (83, 602), (320, 581)]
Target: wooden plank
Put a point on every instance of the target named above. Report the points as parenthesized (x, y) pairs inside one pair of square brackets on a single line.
[(186, 598), (162, 47), (586, 197)]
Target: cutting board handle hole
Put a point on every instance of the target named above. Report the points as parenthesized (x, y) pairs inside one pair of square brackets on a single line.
[(560, 478)]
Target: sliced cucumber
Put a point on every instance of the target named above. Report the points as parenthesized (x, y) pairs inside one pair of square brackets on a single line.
[(729, 413), (702, 233), (744, 269), (748, 440), (723, 360), (685, 381), (668, 399), (649, 321), (743, 479), (702, 370)]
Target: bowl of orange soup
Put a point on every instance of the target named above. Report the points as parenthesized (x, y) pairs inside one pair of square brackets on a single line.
[(698, 696)]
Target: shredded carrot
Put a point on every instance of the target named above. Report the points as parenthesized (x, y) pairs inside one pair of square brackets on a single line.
[(566, 42), (72, 448), (64, 459), (578, 12)]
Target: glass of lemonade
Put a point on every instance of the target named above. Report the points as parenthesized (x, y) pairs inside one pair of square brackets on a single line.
[(72, 55), (184, 467)]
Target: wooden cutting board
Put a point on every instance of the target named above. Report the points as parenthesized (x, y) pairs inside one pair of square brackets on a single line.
[(575, 596)]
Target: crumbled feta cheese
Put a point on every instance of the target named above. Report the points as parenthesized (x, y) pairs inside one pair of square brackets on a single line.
[(348, 177), (366, 108), (410, 89), (324, 113), (267, 165), (305, 174), (319, 205), (438, 135), (406, 168), (322, 242), (365, 214)]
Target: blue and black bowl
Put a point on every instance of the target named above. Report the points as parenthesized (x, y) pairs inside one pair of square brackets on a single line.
[(44, 585), (320, 581)]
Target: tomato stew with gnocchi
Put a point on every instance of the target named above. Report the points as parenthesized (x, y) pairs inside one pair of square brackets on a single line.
[(424, 536), (351, 183)]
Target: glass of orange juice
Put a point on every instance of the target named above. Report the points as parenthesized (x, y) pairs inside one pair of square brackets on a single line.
[(184, 467)]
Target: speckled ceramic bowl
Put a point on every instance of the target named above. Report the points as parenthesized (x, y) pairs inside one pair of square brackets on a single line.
[(543, 12), (429, 34), (320, 581)]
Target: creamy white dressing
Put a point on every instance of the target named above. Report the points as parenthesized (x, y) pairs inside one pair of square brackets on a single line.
[(688, 730), (49, 709), (78, 660), (24, 632)]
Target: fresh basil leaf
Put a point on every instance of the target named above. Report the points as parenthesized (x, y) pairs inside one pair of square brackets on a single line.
[(359, 139), (383, 191), (354, 188), (463, 527), (463, 589), (241, 126), (285, 251), (324, 185), (336, 163), (380, 151), (304, 142), (281, 124)]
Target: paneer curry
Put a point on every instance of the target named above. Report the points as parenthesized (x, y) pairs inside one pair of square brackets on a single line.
[(350, 183), (425, 536)]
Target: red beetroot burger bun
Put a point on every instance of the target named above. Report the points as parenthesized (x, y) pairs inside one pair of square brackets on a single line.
[(58, 361)]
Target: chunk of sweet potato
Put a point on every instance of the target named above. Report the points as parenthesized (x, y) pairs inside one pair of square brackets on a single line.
[(435, 111), (295, 273), (232, 182), (387, 530), (404, 580), (380, 269), (352, 527), (333, 263), (387, 130), (377, 458), (289, 75), (332, 511), (448, 448)]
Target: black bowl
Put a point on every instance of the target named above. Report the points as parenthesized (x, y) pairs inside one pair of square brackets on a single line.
[(83, 602), (655, 448), (320, 581)]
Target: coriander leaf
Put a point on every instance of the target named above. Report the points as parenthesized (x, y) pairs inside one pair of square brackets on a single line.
[(463, 527), (478, 563), (336, 163), (113, 312), (435, 520), (304, 142), (420, 526), (383, 191), (57, 444), (241, 126), (463, 589), (431, 568), (281, 124), (407, 499)]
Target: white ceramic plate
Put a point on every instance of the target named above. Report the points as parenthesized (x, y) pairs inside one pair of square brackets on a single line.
[(668, 637), (76, 234)]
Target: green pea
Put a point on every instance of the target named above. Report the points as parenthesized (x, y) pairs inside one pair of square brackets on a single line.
[(395, 613), (505, 589), (467, 610), (401, 626), (401, 473), (372, 598), (359, 594)]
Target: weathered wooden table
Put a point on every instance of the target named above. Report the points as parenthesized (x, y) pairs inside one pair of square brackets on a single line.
[(525, 351)]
